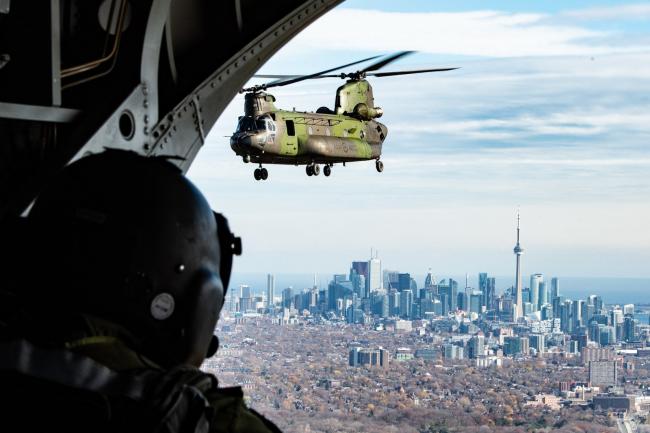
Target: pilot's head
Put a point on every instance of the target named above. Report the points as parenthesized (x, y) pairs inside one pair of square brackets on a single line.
[(130, 240)]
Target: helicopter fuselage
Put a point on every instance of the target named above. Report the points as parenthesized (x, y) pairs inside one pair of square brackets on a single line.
[(300, 138)]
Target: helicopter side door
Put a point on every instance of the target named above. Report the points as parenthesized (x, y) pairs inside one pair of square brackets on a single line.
[(289, 140)]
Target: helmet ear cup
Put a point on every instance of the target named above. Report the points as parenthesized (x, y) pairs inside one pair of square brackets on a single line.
[(229, 245), (201, 317)]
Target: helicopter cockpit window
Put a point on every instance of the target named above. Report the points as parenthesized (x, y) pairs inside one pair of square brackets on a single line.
[(265, 123), (246, 124)]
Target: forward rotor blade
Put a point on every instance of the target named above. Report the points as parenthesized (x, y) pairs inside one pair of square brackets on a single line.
[(390, 74), (390, 59), (275, 76), (414, 71), (307, 77)]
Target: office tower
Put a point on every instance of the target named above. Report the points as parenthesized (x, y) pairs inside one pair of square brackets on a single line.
[(490, 293), (403, 282), (537, 342), (476, 346), (586, 313), (390, 279), (430, 280), (359, 285), (393, 302), (287, 297), (607, 335), (482, 286), (415, 290), (361, 268), (628, 309), (444, 304), (629, 329), (270, 290), (374, 274), (555, 288), (542, 298), (576, 314), (385, 310), (518, 250), (463, 301), (546, 312), (565, 316), (535, 282), (528, 308), (616, 316), (597, 302), (313, 298), (405, 303), (475, 302), (245, 298)]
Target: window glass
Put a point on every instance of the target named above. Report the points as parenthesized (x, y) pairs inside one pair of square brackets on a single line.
[(246, 124)]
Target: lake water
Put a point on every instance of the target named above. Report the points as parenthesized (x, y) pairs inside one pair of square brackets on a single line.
[(612, 290)]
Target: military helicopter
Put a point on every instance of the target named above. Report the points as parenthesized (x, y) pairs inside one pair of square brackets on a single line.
[(268, 135)]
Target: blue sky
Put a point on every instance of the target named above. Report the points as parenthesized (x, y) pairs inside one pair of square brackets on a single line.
[(550, 112)]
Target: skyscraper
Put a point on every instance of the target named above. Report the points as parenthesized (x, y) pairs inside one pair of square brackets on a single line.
[(518, 250), (361, 268), (555, 288), (535, 282), (490, 294), (430, 280), (270, 290), (482, 286), (374, 274)]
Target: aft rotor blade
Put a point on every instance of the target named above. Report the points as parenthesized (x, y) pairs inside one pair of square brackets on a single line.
[(316, 75), (414, 71), (390, 59)]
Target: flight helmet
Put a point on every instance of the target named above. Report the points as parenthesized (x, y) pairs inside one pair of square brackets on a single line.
[(131, 240)]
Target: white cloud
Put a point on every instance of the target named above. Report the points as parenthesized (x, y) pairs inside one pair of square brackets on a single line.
[(622, 12), (570, 123), (479, 33)]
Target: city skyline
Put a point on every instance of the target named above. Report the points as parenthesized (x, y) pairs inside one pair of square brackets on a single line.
[(556, 121)]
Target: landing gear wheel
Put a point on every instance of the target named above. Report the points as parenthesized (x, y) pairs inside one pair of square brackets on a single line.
[(316, 169), (327, 170), (309, 171), (264, 173), (379, 166), (257, 174)]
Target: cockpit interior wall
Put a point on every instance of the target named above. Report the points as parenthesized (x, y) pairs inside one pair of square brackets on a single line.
[(151, 76)]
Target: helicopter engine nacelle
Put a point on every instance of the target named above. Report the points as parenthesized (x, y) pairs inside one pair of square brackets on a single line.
[(362, 111)]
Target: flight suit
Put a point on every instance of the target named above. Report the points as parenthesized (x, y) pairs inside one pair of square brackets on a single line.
[(95, 382)]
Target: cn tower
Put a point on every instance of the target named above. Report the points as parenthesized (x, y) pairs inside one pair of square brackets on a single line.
[(518, 250)]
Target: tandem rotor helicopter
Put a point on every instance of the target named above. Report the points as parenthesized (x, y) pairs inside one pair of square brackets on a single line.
[(268, 135)]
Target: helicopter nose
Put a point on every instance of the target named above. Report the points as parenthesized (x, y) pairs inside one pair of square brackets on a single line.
[(248, 142)]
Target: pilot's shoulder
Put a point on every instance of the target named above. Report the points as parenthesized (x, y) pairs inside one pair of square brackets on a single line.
[(232, 415)]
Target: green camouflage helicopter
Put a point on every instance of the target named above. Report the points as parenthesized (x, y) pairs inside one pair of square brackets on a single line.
[(268, 135)]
